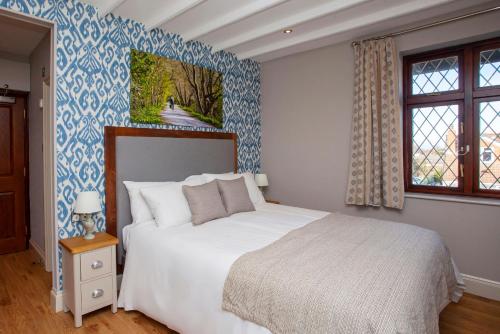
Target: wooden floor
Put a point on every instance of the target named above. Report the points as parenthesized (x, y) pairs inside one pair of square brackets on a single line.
[(25, 307)]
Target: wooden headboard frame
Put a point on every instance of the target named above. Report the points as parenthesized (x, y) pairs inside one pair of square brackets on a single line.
[(110, 134)]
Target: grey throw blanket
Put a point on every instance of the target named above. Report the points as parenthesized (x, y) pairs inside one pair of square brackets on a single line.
[(344, 274)]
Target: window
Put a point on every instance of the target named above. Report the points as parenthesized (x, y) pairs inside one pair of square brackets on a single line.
[(452, 120)]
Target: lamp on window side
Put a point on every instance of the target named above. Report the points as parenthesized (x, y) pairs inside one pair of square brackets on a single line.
[(88, 203), (261, 180)]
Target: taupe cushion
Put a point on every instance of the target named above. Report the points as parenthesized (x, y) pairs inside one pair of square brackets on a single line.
[(204, 202), (235, 195)]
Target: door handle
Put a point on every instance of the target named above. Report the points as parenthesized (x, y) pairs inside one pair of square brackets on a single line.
[(462, 152)]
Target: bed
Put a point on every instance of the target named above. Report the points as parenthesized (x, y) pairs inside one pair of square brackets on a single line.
[(380, 281)]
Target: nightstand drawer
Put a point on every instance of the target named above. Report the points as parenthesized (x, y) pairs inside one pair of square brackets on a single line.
[(97, 293), (95, 263)]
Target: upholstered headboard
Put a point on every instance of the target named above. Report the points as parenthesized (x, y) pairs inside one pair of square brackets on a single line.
[(137, 154)]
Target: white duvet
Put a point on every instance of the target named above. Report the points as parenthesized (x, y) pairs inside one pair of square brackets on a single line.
[(176, 275)]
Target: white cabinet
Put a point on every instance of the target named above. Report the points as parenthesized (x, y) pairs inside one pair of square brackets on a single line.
[(89, 274)]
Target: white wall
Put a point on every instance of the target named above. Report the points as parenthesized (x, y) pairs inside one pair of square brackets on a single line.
[(40, 58), (15, 74), (306, 121)]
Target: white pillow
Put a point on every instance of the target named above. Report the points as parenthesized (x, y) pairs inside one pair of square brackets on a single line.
[(197, 178), (138, 207), (168, 203), (253, 190)]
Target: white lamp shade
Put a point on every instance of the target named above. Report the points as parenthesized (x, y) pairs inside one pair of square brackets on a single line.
[(88, 202), (261, 180)]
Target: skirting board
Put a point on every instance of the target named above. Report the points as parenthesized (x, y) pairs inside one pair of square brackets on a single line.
[(56, 300), (482, 287), (38, 250)]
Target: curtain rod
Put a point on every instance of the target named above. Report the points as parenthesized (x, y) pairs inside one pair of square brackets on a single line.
[(429, 25)]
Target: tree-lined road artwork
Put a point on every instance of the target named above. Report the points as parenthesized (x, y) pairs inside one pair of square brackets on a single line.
[(167, 91)]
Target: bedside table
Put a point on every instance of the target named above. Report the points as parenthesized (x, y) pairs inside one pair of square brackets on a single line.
[(272, 201), (89, 274)]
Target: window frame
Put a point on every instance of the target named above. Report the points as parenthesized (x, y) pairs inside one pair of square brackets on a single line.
[(468, 97)]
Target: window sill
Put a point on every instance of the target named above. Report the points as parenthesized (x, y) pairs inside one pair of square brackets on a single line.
[(458, 199)]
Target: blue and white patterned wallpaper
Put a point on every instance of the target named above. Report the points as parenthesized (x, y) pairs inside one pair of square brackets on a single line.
[(93, 79)]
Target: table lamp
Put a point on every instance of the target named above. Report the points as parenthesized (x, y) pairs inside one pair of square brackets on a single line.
[(261, 180), (88, 203)]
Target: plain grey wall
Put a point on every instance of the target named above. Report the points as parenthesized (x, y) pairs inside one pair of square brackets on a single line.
[(39, 58), (306, 122)]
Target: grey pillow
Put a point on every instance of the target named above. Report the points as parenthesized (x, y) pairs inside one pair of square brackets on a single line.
[(235, 195), (204, 202)]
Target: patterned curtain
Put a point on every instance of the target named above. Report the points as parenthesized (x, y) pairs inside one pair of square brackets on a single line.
[(376, 166)]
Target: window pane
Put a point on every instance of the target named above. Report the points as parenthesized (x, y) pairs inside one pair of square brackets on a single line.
[(433, 76), (489, 68), (489, 145), (435, 145)]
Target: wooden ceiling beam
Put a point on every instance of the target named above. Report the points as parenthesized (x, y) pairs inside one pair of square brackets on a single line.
[(171, 12), (341, 27), (233, 16), (287, 22)]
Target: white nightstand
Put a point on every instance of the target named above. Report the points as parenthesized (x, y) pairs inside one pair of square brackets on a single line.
[(89, 274)]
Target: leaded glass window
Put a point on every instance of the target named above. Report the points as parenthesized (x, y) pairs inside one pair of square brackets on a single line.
[(489, 144), (437, 75), (435, 143), (489, 68), (452, 120)]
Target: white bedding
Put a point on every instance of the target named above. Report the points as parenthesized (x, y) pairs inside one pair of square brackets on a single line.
[(176, 274)]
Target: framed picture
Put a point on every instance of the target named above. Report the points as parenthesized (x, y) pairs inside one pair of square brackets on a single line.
[(167, 91)]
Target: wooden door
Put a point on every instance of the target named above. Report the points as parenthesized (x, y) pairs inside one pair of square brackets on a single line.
[(12, 176)]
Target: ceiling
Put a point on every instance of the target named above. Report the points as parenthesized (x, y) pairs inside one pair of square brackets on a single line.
[(19, 38), (254, 28)]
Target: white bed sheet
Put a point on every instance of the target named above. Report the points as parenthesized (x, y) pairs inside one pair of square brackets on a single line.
[(176, 275)]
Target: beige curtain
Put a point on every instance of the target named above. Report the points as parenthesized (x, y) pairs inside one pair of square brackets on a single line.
[(376, 165)]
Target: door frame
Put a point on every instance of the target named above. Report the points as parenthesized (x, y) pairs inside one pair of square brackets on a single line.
[(27, 220), (49, 151), (48, 228)]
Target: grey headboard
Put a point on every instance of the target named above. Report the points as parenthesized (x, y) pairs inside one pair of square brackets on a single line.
[(136, 154)]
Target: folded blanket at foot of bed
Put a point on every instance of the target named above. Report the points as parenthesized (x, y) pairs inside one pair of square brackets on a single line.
[(344, 274)]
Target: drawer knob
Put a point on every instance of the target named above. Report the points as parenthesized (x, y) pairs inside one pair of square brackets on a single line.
[(96, 264), (97, 293)]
